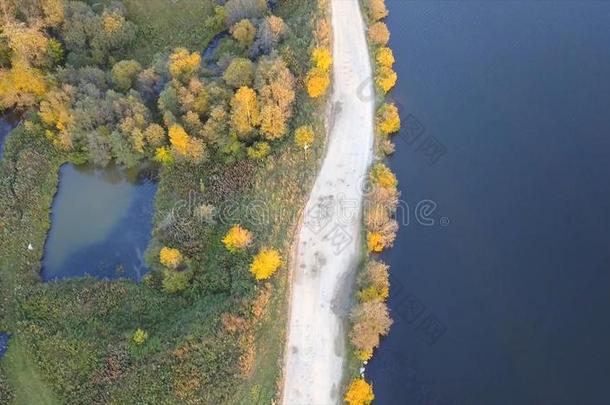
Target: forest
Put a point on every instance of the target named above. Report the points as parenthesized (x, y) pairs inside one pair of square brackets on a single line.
[(133, 83)]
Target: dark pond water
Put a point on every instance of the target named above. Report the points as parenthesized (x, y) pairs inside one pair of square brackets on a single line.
[(4, 339), (505, 299), (7, 123), (101, 224)]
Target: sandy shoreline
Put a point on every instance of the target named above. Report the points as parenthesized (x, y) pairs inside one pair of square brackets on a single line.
[(328, 242)]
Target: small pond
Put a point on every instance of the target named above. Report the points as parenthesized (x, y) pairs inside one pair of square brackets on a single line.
[(101, 224), (7, 123), (4, 338)]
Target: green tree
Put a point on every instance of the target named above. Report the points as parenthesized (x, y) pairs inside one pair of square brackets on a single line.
[(124, 74), (239, 73)]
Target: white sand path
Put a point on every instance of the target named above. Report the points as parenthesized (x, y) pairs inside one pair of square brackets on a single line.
[(329, 240)]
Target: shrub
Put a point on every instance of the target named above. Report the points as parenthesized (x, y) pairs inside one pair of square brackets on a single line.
[(304, 136), (385, 78), (237, 239), (387, 147), (379, 34), (175, 281), (265, 264), (359, 393), (388, 119), (259, 150), (323, 32), (139, 337), (164, 156), (169, 257)]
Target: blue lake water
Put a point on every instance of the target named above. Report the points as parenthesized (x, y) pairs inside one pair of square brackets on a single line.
[(505, 298), (101, 224)]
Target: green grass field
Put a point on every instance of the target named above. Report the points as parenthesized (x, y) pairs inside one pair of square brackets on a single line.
[(166, 24)]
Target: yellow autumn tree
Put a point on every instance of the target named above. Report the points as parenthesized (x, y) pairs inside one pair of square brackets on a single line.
[(304, 136), (374, 242), (359, 393), (273, 122), (374, 282), (388, 119), (245, 112), (385, 57), (244, 32), (183, 65), (318, 82), (379, 34), (265, 264), (383, 177), (237, 239), (185, 146), (385, 78), (322, 58), (170, 257), (21, 86), (55, 111)]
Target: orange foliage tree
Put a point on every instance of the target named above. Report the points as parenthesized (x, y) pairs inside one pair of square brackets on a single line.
[(379, 34), (169, 257), (371, 320), (359, 393), (318, 82), (374, 282), (376, 9)]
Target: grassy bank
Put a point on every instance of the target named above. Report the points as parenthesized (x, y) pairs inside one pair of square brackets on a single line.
[(370, 318)]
